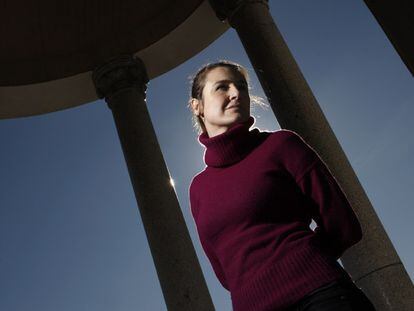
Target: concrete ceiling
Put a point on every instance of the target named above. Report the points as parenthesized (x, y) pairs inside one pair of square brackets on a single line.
[(49, 48)]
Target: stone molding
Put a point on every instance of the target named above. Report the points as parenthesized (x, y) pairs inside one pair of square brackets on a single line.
[(118, 74)]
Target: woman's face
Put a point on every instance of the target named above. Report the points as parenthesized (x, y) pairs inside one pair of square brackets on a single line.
[(225, 100)]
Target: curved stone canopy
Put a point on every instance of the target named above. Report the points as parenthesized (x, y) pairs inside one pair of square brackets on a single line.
[(49, 48)]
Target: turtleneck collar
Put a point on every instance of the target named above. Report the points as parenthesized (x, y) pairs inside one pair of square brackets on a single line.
[(231, 146)]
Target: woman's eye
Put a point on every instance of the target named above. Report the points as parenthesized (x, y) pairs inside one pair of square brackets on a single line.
[(241, 86)]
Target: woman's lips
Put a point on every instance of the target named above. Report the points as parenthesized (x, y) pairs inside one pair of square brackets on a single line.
[(233, 106)]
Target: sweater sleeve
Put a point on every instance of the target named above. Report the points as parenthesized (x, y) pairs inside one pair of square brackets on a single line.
[(338, 227), (215, 264)]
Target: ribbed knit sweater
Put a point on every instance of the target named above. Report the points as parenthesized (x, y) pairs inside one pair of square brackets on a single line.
[(252, 206)]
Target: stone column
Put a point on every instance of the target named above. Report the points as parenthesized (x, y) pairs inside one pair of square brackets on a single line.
[(396, 19), (373, 263), (122, 82)]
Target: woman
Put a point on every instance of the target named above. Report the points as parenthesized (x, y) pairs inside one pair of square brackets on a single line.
[(254, 202)]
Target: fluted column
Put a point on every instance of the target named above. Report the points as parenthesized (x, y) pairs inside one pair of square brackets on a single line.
[(373, 263), (122, 82)]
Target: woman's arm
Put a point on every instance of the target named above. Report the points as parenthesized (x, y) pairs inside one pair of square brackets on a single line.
[(205, 245), (338, 226), (214, 263)]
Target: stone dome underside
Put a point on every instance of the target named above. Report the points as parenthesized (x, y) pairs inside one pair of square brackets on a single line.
[(49, 48)]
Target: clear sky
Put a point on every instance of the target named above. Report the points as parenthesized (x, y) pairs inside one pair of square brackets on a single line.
[(71, 237)]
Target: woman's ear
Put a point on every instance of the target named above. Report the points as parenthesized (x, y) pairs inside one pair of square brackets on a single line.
[(197, 107)]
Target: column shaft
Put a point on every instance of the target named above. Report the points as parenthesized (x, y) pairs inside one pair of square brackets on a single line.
[(397, 21), (373, 263), (123, 82)]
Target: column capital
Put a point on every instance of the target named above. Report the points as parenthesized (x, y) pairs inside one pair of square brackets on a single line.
[(120, 73), (225, 9)]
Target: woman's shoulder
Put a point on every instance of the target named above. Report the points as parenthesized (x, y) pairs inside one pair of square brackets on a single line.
[(196, 181), (197, 177), (289, 147), (282, 137), (284, 134)]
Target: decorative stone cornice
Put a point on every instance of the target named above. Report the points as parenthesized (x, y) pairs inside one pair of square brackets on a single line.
[(225, 9), (118, 74)]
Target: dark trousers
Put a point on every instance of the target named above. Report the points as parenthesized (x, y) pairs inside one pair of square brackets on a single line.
[(341, 295)]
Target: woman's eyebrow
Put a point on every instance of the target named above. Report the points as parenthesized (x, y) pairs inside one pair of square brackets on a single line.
[(227, 80)]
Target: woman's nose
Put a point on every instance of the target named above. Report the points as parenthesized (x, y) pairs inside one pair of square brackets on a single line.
[(234, 91)]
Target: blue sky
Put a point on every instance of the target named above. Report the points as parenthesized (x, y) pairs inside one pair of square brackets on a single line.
[(71, 237)]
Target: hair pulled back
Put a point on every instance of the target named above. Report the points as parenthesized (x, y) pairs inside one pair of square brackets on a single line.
[(198, 82)]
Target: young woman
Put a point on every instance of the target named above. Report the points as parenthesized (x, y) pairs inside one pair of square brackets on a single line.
[(254, 201)]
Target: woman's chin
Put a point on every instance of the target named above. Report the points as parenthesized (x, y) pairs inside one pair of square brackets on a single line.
[(240, 117)]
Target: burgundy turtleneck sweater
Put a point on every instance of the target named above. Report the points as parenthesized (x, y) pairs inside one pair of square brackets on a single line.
[(252, 206)]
